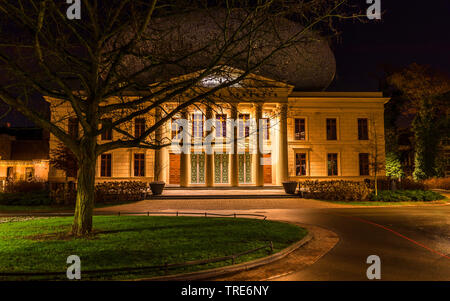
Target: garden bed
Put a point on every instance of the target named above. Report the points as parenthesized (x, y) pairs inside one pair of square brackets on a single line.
[(352, 192), (406, 196)]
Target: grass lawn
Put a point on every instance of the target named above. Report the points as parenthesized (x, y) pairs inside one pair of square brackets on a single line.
[(368, 203), (42, 244)]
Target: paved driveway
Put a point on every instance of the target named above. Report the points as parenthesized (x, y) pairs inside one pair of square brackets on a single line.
[(223, 204), (412, 242)]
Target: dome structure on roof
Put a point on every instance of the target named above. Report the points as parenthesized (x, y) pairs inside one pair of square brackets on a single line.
[(309, 65)]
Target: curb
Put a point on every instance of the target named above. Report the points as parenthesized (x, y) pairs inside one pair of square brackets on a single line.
[(397, 206), (440, 190), (203, 275)]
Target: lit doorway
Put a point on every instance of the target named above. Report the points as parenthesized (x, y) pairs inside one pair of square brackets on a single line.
[(221, 168), (245, 168), (198, 168)]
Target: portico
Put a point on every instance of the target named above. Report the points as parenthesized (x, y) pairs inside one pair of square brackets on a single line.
[(224, 163)]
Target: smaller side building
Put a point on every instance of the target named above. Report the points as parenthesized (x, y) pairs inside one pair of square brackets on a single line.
[(24, 155)]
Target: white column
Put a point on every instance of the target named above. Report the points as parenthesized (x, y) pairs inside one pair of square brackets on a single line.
[(282, 164), (258, 156), (184, 158), (209, 158), (234, 168), (159, 162)]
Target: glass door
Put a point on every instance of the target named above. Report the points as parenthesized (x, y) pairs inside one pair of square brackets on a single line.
[(198, 168), (245, 168), (221, 168)]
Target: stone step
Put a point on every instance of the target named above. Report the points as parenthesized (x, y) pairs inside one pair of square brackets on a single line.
[(223, 196), (168, 187)]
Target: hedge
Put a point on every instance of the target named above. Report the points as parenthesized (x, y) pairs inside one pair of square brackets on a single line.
[(25, 199), (119, 192), (350, 191), (406, 196), (336, 190), (25, 193)]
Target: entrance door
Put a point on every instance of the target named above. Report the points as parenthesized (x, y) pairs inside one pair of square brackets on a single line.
[(245, 168), (267, 168), (174, 177), (221, 168), (198, 168)]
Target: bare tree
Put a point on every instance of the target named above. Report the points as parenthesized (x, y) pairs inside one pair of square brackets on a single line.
[(101, 66), (377, 162), (4, 111), (62, 158)]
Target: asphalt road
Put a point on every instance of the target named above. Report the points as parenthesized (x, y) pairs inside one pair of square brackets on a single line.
[(413, 243)]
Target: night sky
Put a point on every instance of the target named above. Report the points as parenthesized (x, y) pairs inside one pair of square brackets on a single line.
[(410, 31)]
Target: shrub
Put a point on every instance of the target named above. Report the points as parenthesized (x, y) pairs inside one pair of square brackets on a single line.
[(410, 184), (382, 183), (105, 192), (394, 166), (336, 190), (406, 196), (404, 184), (25, 186), (118, 192), (437, 183), (360, 191), (25, 193), (25, 198), (63, 194)]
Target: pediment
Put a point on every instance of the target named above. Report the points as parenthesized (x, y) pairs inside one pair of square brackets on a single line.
[(223, 74)]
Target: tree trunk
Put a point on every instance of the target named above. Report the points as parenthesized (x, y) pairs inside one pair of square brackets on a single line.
[(376, 184), (84, 208)]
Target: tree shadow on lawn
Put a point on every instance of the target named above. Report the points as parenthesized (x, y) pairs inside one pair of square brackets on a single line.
[(67, 235)]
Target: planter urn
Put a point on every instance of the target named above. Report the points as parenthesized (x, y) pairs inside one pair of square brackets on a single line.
[(157, 187), (290, 187)]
